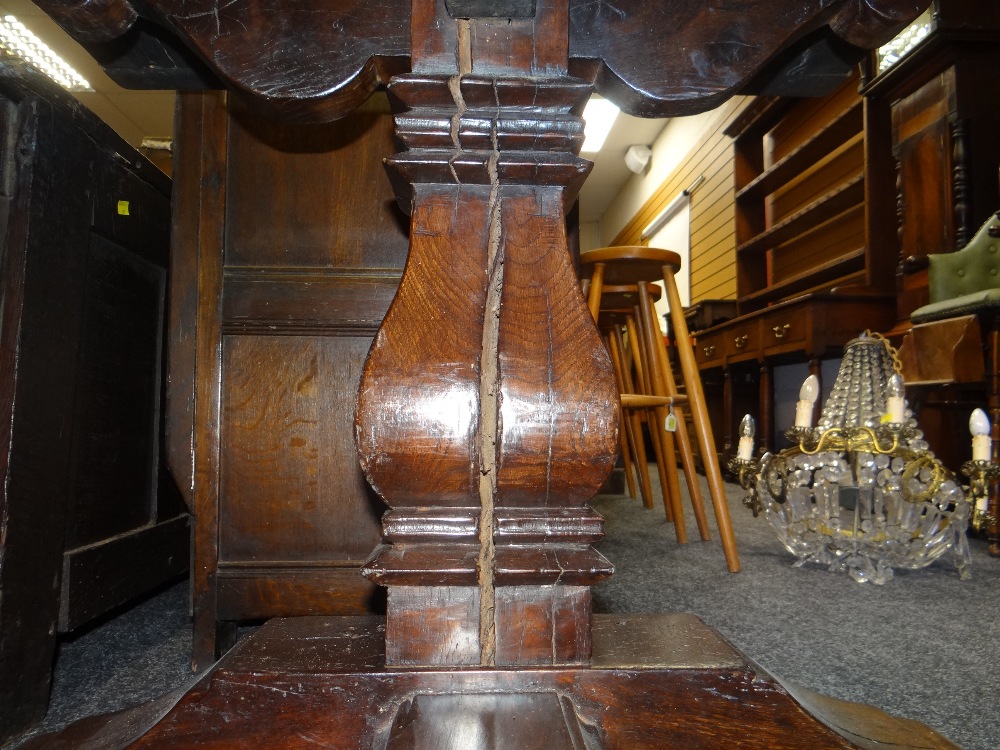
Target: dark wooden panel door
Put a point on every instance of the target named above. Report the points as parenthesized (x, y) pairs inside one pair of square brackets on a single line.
[(922, 148), (287, 259)]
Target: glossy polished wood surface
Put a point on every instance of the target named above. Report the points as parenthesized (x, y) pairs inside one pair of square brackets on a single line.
[(657, 681), (334, 54), (487, 410)]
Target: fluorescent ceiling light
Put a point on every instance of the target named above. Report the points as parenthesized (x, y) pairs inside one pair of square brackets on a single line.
[(891, 53), (598, 116), (16, 40)]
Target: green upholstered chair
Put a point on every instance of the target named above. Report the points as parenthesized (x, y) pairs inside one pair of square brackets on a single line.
[(967, 281)]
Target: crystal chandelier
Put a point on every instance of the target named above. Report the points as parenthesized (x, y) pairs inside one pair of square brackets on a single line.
[(862, 492)]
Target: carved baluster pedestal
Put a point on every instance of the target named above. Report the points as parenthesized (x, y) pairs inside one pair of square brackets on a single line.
[(487, 412)]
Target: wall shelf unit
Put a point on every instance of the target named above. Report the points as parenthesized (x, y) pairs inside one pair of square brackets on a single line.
[(799, 170)]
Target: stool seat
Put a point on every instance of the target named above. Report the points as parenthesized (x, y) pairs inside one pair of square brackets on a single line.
[(623, 297), (630, 264)]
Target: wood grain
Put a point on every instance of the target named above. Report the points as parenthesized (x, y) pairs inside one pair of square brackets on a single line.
[(284, 493), (335, 55), (657, 681)]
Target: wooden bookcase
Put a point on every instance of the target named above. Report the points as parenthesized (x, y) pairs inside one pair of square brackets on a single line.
[(799, 171), (807, 278)]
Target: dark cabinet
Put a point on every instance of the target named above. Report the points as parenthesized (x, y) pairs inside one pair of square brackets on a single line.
[(287, 252), (932, 145), (89, 517)]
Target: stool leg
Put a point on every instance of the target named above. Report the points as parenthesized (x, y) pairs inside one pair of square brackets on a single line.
[(641, 385), (593, 288), (596, 289), (663, 444), (641, 459), (652, 339), (699, 413), (617, 360), (634, 343), (635, 424), (687, 454)]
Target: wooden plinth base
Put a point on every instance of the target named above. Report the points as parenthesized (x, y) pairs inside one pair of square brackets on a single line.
[(657, 681)]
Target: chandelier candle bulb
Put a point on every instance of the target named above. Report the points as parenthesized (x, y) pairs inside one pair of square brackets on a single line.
[(895, 404), (808, 394), (744, 450), (979, 426)]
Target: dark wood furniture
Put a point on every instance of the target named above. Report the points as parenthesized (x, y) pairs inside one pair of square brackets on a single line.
[(810, 327), (798, 166), (695, 691), (807, 279), (933, 152), (850, 193), (89, 517), (487, 408), (945, 347), (287, 250)]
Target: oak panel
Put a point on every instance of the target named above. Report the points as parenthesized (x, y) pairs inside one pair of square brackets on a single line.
[(290, 487)]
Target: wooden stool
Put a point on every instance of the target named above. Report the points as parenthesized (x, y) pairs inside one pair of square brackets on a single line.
[(617, 313), (610, 324), (641, 266), (620, 308)]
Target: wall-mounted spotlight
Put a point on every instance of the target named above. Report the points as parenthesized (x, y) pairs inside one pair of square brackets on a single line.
[(637, 157)]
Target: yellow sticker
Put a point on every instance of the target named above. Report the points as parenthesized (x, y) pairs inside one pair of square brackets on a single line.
[(123, 208)]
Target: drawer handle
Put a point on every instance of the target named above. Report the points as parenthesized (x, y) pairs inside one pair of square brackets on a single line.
[(780, 331), (741, 341), (709, 350)]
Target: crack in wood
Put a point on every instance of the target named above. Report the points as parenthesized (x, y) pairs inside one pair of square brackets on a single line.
[(489, 377), (489, 425), (550, 395)]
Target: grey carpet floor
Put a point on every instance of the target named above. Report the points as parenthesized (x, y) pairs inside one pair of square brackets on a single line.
[(925, 646)]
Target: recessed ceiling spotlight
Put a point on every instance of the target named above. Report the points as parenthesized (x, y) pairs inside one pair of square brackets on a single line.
[(598, 116), (17, 40)]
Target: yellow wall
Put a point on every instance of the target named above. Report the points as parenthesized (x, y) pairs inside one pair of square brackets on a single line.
[(713, 241)]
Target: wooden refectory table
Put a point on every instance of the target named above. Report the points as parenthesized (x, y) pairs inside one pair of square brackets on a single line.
[(487, 412)]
